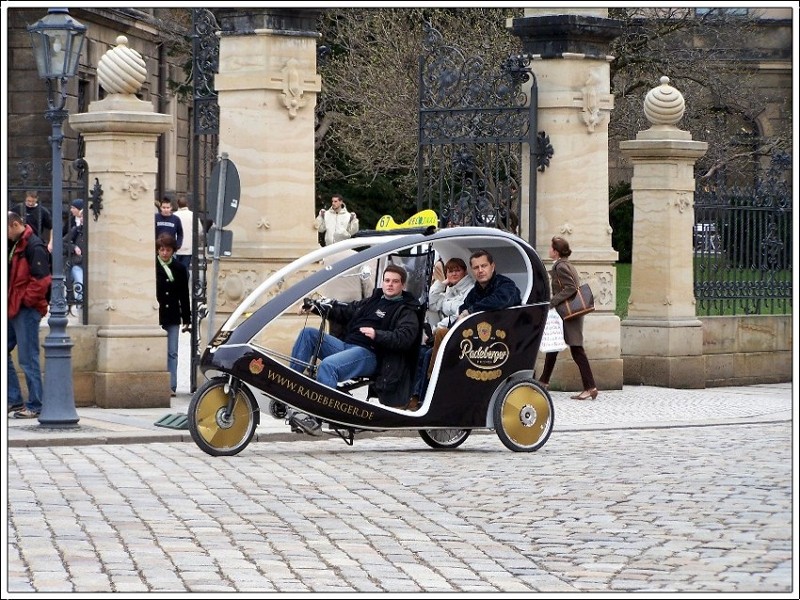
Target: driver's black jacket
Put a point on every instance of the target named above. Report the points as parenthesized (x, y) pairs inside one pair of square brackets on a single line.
[(396, 343)]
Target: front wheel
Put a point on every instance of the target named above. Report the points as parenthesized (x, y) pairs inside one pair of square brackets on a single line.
[(214, 429), (523, 416), (444, 438)]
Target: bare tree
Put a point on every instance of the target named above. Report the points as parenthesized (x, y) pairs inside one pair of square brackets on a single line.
[(711, 58), (367, 122), (367, 112)]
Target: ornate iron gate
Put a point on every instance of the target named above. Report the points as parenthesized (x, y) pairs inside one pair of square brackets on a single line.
[(473, 125), (205, 141)]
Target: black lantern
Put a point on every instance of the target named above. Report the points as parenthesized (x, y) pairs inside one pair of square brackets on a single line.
[(57, 41)]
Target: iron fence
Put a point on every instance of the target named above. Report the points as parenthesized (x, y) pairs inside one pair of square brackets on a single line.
[(743, 243), (37, 176)]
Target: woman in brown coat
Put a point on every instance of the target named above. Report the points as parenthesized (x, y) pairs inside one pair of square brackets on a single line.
[(564, 281)]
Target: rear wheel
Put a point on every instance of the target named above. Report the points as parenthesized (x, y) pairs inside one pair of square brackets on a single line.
[(216, 431), (444, 438), (523, 416)]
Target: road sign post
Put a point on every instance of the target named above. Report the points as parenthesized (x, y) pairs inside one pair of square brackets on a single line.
[(223, 201)]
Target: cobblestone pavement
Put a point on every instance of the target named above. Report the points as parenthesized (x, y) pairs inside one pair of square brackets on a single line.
[(664, 509)]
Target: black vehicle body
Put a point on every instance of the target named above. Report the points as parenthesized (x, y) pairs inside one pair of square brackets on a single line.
[(484, 360)]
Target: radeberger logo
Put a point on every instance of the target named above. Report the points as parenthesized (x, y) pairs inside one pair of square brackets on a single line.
[(485, 351), (256, 366)]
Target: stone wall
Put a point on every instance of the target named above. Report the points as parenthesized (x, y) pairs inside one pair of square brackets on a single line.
[(748, 349)]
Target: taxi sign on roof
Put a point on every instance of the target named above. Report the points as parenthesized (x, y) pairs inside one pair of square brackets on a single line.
[(424, 218)]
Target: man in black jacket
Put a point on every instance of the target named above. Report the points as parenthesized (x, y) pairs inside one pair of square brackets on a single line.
[(379, 334), (492, 290)]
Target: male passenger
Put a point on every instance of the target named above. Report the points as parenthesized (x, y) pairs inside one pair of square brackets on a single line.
[(491, 290)]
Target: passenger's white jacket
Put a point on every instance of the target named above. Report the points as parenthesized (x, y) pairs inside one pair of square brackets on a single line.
[(337, 226), (446, 300)]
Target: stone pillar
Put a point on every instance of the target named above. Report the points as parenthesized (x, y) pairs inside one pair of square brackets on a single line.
[(569, 48), (267, 85), (662, 339), (121, 133)]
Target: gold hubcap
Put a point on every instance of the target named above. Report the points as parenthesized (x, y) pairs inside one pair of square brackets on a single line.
[(212, 424)]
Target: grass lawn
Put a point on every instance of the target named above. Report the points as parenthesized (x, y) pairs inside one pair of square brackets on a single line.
[(623, 288)]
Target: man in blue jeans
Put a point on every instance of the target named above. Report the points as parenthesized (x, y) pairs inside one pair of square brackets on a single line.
[(28, 288), (380, 331)]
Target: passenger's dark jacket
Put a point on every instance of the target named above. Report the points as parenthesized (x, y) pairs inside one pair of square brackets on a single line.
[(500, 292), (396, 344), (173, 296)]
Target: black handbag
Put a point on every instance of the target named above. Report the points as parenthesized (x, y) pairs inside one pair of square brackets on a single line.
[(577, 306)]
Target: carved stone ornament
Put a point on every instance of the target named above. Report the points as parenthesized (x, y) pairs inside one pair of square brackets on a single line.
[(293, 94), (591, 101), (664, 105), (683, 201), (135, 185), (121, 70), (234, 287)]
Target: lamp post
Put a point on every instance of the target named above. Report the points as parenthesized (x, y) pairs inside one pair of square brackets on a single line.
[(57, 40)]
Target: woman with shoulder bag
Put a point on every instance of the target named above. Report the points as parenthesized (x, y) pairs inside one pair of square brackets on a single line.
[(564, 281)]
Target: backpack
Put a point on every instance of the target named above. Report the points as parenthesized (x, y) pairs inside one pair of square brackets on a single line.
[(34, 242)]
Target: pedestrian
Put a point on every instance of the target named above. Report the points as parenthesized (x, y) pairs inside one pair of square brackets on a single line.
[(172, 293), (445, 298), (337, 223), (37, 216), (74, 245), (186, 216), (75, 213), (380, 332), (168, 223), (29, 282), (564, 282)]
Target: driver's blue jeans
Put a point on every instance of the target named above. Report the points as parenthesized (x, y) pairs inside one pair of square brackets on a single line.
[(338, 361)]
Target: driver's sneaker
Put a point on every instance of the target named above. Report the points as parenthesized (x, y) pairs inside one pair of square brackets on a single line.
[(24, 413), (305, 423), (15, 408)]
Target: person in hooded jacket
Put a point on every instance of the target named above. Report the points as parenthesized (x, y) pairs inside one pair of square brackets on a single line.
[(29, 282), (336, 223)]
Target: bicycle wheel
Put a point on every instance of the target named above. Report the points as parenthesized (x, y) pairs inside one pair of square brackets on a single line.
[(444, 438), (523, 416), (213, 430)]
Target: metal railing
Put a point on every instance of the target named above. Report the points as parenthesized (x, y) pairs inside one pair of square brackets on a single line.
[(743, 244)]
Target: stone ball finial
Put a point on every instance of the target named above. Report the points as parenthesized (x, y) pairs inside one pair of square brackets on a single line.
[(121, 70), (664, 105)]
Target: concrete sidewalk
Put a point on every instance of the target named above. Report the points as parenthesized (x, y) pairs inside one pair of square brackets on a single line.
[(633, 407)]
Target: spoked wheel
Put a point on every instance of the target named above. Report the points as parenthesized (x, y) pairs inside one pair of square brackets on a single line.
[(523, 416), (444, 438), (215, 430)]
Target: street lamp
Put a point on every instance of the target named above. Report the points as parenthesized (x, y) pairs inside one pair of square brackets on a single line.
[(57, 40)]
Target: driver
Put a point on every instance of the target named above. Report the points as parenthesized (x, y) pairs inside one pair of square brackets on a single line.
[(379, 333)]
